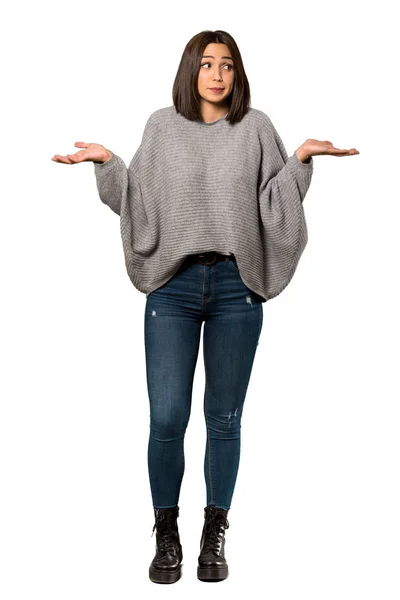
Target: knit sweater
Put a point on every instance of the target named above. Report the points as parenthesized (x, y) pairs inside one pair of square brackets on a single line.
[(194, 187)]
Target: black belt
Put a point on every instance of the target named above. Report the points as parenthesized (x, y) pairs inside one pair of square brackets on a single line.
[(208, 258)]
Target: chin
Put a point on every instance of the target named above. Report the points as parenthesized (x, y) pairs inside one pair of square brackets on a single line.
[(216, 99)]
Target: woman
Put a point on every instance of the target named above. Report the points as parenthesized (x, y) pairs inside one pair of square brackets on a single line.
[(212, 225)]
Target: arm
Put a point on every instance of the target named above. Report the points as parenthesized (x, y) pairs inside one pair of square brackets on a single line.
[(115, 182), (284, 181), (283, 185)]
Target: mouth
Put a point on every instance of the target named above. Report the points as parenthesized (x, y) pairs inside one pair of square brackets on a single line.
[(216, 89)]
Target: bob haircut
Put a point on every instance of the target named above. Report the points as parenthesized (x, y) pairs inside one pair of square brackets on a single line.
[(185, 94)]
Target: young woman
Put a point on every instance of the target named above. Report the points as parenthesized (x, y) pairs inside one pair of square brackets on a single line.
[(212, 226)]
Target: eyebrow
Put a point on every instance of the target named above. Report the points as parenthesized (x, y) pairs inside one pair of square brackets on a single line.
[(209, 56)]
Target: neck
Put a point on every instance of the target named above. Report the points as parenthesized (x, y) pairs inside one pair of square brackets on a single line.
[(213, 112)]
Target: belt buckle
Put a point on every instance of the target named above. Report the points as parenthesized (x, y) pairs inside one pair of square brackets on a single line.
[(208, 263)]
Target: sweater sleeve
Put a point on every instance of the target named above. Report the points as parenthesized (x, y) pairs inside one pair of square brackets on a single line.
[(283, 184), (112, 182)]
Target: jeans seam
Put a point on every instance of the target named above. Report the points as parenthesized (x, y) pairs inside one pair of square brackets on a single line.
[(183, 457), (204, 281), (260, 323), (209, 444)]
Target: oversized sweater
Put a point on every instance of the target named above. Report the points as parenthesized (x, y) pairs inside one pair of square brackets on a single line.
[(194, 187)]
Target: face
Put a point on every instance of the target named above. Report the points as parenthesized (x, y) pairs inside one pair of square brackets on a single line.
[(216, 71)]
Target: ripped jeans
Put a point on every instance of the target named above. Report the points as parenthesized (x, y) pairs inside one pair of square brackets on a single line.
[(174, 313)]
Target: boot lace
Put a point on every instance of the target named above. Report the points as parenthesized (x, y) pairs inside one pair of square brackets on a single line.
[(167, 539), (212, 530)]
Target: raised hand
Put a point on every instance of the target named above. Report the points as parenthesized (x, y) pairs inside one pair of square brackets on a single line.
[(91, 152), (316, 147)]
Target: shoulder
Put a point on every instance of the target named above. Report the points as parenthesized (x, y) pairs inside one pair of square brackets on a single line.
[(259, 123), (266, 130), (260, 118), (161, 115), (155, 122)]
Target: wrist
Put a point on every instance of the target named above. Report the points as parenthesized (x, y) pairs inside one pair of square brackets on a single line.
[(107, 156), (302, 154)]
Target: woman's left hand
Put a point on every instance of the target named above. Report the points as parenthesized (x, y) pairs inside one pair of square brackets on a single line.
[(316, 147)]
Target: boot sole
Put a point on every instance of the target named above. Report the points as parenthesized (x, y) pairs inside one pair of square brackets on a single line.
[(157, 576), (212, 573)]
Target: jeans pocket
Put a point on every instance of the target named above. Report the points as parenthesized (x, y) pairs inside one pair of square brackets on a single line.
[(234, 265)]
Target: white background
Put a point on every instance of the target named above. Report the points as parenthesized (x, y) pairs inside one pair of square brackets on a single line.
[(315, 513)]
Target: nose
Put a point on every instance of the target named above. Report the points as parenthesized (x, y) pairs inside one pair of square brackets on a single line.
[(217, 76)]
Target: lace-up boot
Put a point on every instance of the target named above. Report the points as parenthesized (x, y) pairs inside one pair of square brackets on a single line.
[(212, 564), (166, 564)]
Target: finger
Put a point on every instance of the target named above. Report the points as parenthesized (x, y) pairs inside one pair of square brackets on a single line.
[(62, 159), (346, 153), (337, 152), (81, 145), (351, 151), (340, 152), (73, 157)]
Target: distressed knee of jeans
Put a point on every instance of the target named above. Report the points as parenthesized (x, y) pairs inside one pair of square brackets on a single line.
[(231, 416), (248, 299)]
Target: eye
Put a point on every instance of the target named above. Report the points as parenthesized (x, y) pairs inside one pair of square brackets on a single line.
[(227, 65)]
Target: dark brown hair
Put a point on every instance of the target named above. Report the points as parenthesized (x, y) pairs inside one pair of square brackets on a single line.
[(185, 94)]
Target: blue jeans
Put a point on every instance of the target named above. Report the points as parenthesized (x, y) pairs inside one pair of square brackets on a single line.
[(233, 316)]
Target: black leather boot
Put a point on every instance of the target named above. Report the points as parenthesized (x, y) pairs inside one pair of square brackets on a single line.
[(166, 564), (212, 564)]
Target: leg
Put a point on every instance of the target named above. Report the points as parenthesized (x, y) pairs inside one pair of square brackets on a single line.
[(231, 337), (172, 338)]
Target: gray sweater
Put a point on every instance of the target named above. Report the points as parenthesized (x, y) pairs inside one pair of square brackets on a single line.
[(195, 187)]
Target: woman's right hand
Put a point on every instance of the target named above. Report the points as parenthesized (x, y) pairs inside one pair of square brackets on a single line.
[(91, 152)]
